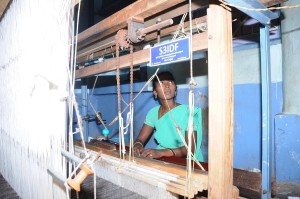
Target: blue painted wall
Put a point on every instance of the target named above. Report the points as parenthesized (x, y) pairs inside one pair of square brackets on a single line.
[(247, 115), (287, 151), (247, 110), (247, 123)]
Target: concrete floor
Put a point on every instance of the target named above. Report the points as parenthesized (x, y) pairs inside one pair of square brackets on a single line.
[(6, 191), (288, 191), (107, 190)]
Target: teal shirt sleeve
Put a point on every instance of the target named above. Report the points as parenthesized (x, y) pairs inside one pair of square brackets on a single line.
[(152, 117), (198, 128)]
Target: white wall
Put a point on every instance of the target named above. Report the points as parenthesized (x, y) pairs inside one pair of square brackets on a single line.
[(291, 44)]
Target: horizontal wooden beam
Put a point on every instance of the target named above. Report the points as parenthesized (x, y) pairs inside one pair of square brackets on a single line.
[(169, 176), (85, 49), (248, 182), (269, 3), (140, 57), (102, 47), (140, 9)]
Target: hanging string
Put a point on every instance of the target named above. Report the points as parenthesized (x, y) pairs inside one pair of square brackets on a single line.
[(94, 85), (97, 114), (131, 139), (176, 125), (118, 76), (95, 182), (122, 150), (141, 90), (180, 28), (129, 119), (190, 133), (73, 103), (71, 75), (72, 84), (259, 9), (119, 95), (187, 146), (191, 103)]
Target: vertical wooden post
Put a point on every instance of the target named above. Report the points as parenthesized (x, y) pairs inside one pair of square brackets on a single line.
[(220, 85)]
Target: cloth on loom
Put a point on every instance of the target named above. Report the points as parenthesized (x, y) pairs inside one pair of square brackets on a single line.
[(165, 132)]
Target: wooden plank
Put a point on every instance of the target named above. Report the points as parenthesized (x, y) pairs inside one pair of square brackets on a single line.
[(140, 57), (84, 54), (177, 11), (86, 51), (220, 86), (140, 9), (3, 6), (103, 145), (235, 192), (172, 29), (247, 182), (172, 168), (118, 20), (269, 3), (251, 179), (171, 177)]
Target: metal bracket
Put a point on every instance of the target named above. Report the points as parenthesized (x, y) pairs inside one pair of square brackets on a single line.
[(133, 26), (137, 31)]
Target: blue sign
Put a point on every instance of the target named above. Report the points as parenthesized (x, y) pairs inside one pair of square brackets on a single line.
[(174, 51)]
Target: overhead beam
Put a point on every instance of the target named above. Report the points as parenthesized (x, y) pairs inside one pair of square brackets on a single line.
[(88, 50), (140, 57), (263, 16), (106, 45), (269, 3), (143, 9), (140, 9)]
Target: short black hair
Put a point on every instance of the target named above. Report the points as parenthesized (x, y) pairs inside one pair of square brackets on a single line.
[(165, 75)]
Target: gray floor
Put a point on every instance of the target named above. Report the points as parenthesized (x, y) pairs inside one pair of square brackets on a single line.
[(286, 190), (6, 192), (108, 190), (105, 190)]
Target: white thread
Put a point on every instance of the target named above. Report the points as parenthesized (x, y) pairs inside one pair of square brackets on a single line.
[(33, 80), (260, 9)]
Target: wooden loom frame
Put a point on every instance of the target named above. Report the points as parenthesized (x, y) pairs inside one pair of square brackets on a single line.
[(217, 41)]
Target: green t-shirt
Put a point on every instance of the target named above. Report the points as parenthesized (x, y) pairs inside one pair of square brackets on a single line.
[(165, 132)]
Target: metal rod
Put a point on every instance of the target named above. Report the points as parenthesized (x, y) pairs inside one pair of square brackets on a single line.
[(154, 27), (70, 156), (266, 112), (58, 177), (96, 49)]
